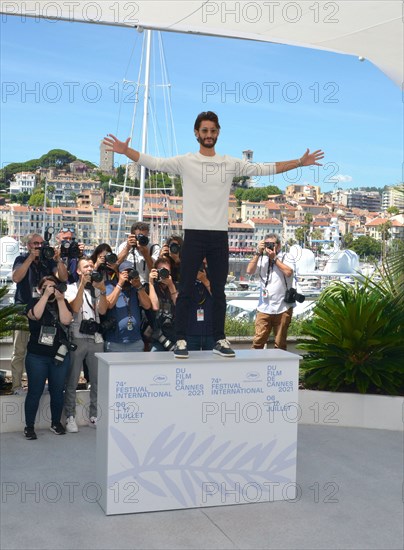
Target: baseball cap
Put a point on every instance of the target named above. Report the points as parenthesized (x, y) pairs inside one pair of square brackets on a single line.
[(125, 266)]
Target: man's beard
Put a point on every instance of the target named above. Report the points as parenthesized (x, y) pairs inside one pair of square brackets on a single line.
[(210, 145)]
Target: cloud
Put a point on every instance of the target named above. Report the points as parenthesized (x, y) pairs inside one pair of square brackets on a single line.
[(341, 178)]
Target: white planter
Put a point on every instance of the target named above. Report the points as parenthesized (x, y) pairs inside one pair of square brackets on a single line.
[(352, 410)]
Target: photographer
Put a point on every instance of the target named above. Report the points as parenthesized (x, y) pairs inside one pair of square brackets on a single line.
[(69, 251), (138, 250), (105, 261), (276, 277), (124, 300), (163, 296), (172, 251), (47, 352), (28, 270), (87, 299)]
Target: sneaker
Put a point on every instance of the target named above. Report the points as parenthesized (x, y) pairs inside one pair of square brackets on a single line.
[(71, 426), (180, 350), (20, 391), (58, 429), (29, 432), (93, 422), (222, 347)]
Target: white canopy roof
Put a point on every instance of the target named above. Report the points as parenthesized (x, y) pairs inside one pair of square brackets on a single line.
[(369, 29)]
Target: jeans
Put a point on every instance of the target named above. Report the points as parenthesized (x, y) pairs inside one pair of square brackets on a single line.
[(39, 368), (214, 246), (129, 346)]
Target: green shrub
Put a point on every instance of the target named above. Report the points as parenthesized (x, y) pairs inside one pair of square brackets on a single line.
[(11, 316), (357, 341)]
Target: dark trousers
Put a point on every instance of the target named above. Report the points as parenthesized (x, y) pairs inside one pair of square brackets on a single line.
[(214, 246), (39, 368)]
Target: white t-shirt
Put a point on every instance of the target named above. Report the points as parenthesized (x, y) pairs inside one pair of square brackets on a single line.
[(88, 310), (272, 280), (206, 183), (138, 260)]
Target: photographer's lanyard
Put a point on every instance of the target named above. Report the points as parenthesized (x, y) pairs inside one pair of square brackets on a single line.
[(91, 306), (270, 268), (130, 324), (58, 324)]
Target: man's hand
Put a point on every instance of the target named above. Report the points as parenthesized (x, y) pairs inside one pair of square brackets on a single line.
[(261, 247), (123, 277), (308, 159), (132, 241), (34, 254), (85, 279), (100, 286), (115, 145)]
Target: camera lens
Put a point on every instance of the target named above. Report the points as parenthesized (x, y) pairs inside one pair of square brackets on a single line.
[(96, 277), (175, 248), (111, 258), (142, 239), (163, 273)]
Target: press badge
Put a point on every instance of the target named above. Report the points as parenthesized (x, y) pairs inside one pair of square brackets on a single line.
[(200, 315), (264, 293), (47, 336)]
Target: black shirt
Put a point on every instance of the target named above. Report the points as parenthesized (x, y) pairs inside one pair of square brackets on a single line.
[(51, 311), (37, 270)]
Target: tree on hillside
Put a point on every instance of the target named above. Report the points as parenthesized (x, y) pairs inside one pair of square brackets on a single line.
[(393, 210)]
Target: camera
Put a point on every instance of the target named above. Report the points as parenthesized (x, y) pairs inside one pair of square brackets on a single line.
[(46, 251), (70, 249), (64, 347), (89, 326), (175, 248), (111, 258), (163, 273), (97, 276), (107, 325), (142, 239), (271, 246), (291, 296), (61, 287), (133, 274), (163, 340)]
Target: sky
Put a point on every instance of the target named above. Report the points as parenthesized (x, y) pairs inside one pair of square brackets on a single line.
[(66, 85)]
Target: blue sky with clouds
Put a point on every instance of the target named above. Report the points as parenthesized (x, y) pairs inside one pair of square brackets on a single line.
[(62, 87)]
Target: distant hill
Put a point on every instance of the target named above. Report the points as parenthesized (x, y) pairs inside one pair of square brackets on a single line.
[(56, 157)]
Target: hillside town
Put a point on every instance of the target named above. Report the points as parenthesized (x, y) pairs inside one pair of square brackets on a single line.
[(303, 213)]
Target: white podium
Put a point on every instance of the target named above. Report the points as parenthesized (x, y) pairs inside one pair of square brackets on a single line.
[(205, 431)]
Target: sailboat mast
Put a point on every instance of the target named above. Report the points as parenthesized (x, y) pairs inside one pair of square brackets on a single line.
[(145, 120)]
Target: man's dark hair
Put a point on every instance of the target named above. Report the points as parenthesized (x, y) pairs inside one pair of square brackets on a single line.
[(206, 115), (142, 226), (273, 236)]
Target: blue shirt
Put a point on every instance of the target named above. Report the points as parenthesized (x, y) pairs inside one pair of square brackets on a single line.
[(126, 309)]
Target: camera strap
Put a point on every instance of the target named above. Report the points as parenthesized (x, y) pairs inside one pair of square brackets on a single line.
[(91, 305), (58, 324)]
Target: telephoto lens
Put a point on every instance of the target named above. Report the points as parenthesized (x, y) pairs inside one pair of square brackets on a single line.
[(133, 274)]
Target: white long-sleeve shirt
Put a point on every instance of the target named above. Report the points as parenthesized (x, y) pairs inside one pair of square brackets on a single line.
[(206, 183)]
